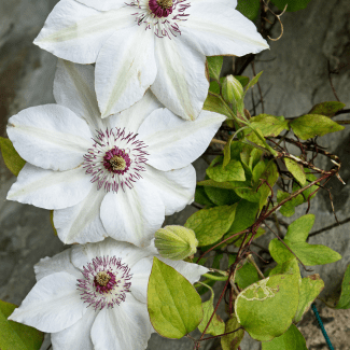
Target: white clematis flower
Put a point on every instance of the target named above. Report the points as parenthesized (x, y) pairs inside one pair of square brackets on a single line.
[(95, 296), (141, 43), (115, 177)]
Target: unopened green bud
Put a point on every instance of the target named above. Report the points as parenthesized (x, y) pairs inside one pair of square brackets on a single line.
[(176, 242), (232, 89)]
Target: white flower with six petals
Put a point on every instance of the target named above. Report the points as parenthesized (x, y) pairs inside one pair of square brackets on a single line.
[(141, 43), (94, 296), (114, 177)]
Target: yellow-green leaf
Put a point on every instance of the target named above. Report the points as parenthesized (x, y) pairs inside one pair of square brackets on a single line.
[(266, 308), (296, 169), (174, 306), (211, 224), (232, 341), (312, 125), (17, 336), (12, 159)]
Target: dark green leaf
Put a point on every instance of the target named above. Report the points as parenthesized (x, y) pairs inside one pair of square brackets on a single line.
[(249, 8), (291, 340), (242, 79), (211, 224), (215, 65), (12, 159), (327, 108), (312, 125), (214, 87), (246, 213), (174, 306), (288, 209), (17, 336), (293, 5)]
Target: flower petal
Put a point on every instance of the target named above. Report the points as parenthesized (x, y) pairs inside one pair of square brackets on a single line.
[(216, 28), (58, 263), (104, 5), (133, 117), (77, 336), (52, 305), (174, 143), (74, 88), (76, 32), (81, 223), (181, 83), (49, 189), (176, 187), (125, 68), (140, 276), (192, 272), (50, 137), (134, 215), (124, 327), (81, 255)]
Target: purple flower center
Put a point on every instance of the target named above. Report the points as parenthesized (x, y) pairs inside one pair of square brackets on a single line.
[(117, 161), (161, 8), (105, 282)]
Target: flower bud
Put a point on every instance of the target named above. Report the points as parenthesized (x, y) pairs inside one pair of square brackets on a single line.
[(176, 242), (232, 89)]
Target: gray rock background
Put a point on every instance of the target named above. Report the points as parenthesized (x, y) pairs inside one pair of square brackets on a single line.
[(295, 78)]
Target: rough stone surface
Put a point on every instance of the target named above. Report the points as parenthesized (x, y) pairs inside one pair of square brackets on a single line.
[(295, 78)]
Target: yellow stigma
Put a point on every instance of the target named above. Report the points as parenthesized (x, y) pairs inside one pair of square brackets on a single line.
[(102, 278), (118, 163), (165, 4)]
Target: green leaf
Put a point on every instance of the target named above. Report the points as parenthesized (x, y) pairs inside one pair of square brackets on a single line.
[(217, 325), (232, 341), (214, 87), (211, 224), (254, 80), (220, 196), (296, 169), (312, 125), (305, 194), (242, 79), (309, 254), (12, 159), (288, 209), (238, 241), (299, 229), (291, 340), (266, 308), (289, 267), (269, 125), (216, 104), (232, 172), (246, 213), (309, 289), (344, 300), (293, 5), (249, 8), (327, 108), (246, 275), (174, 306), (202, 198), (215, 66), (227, 152), (17, 336)]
